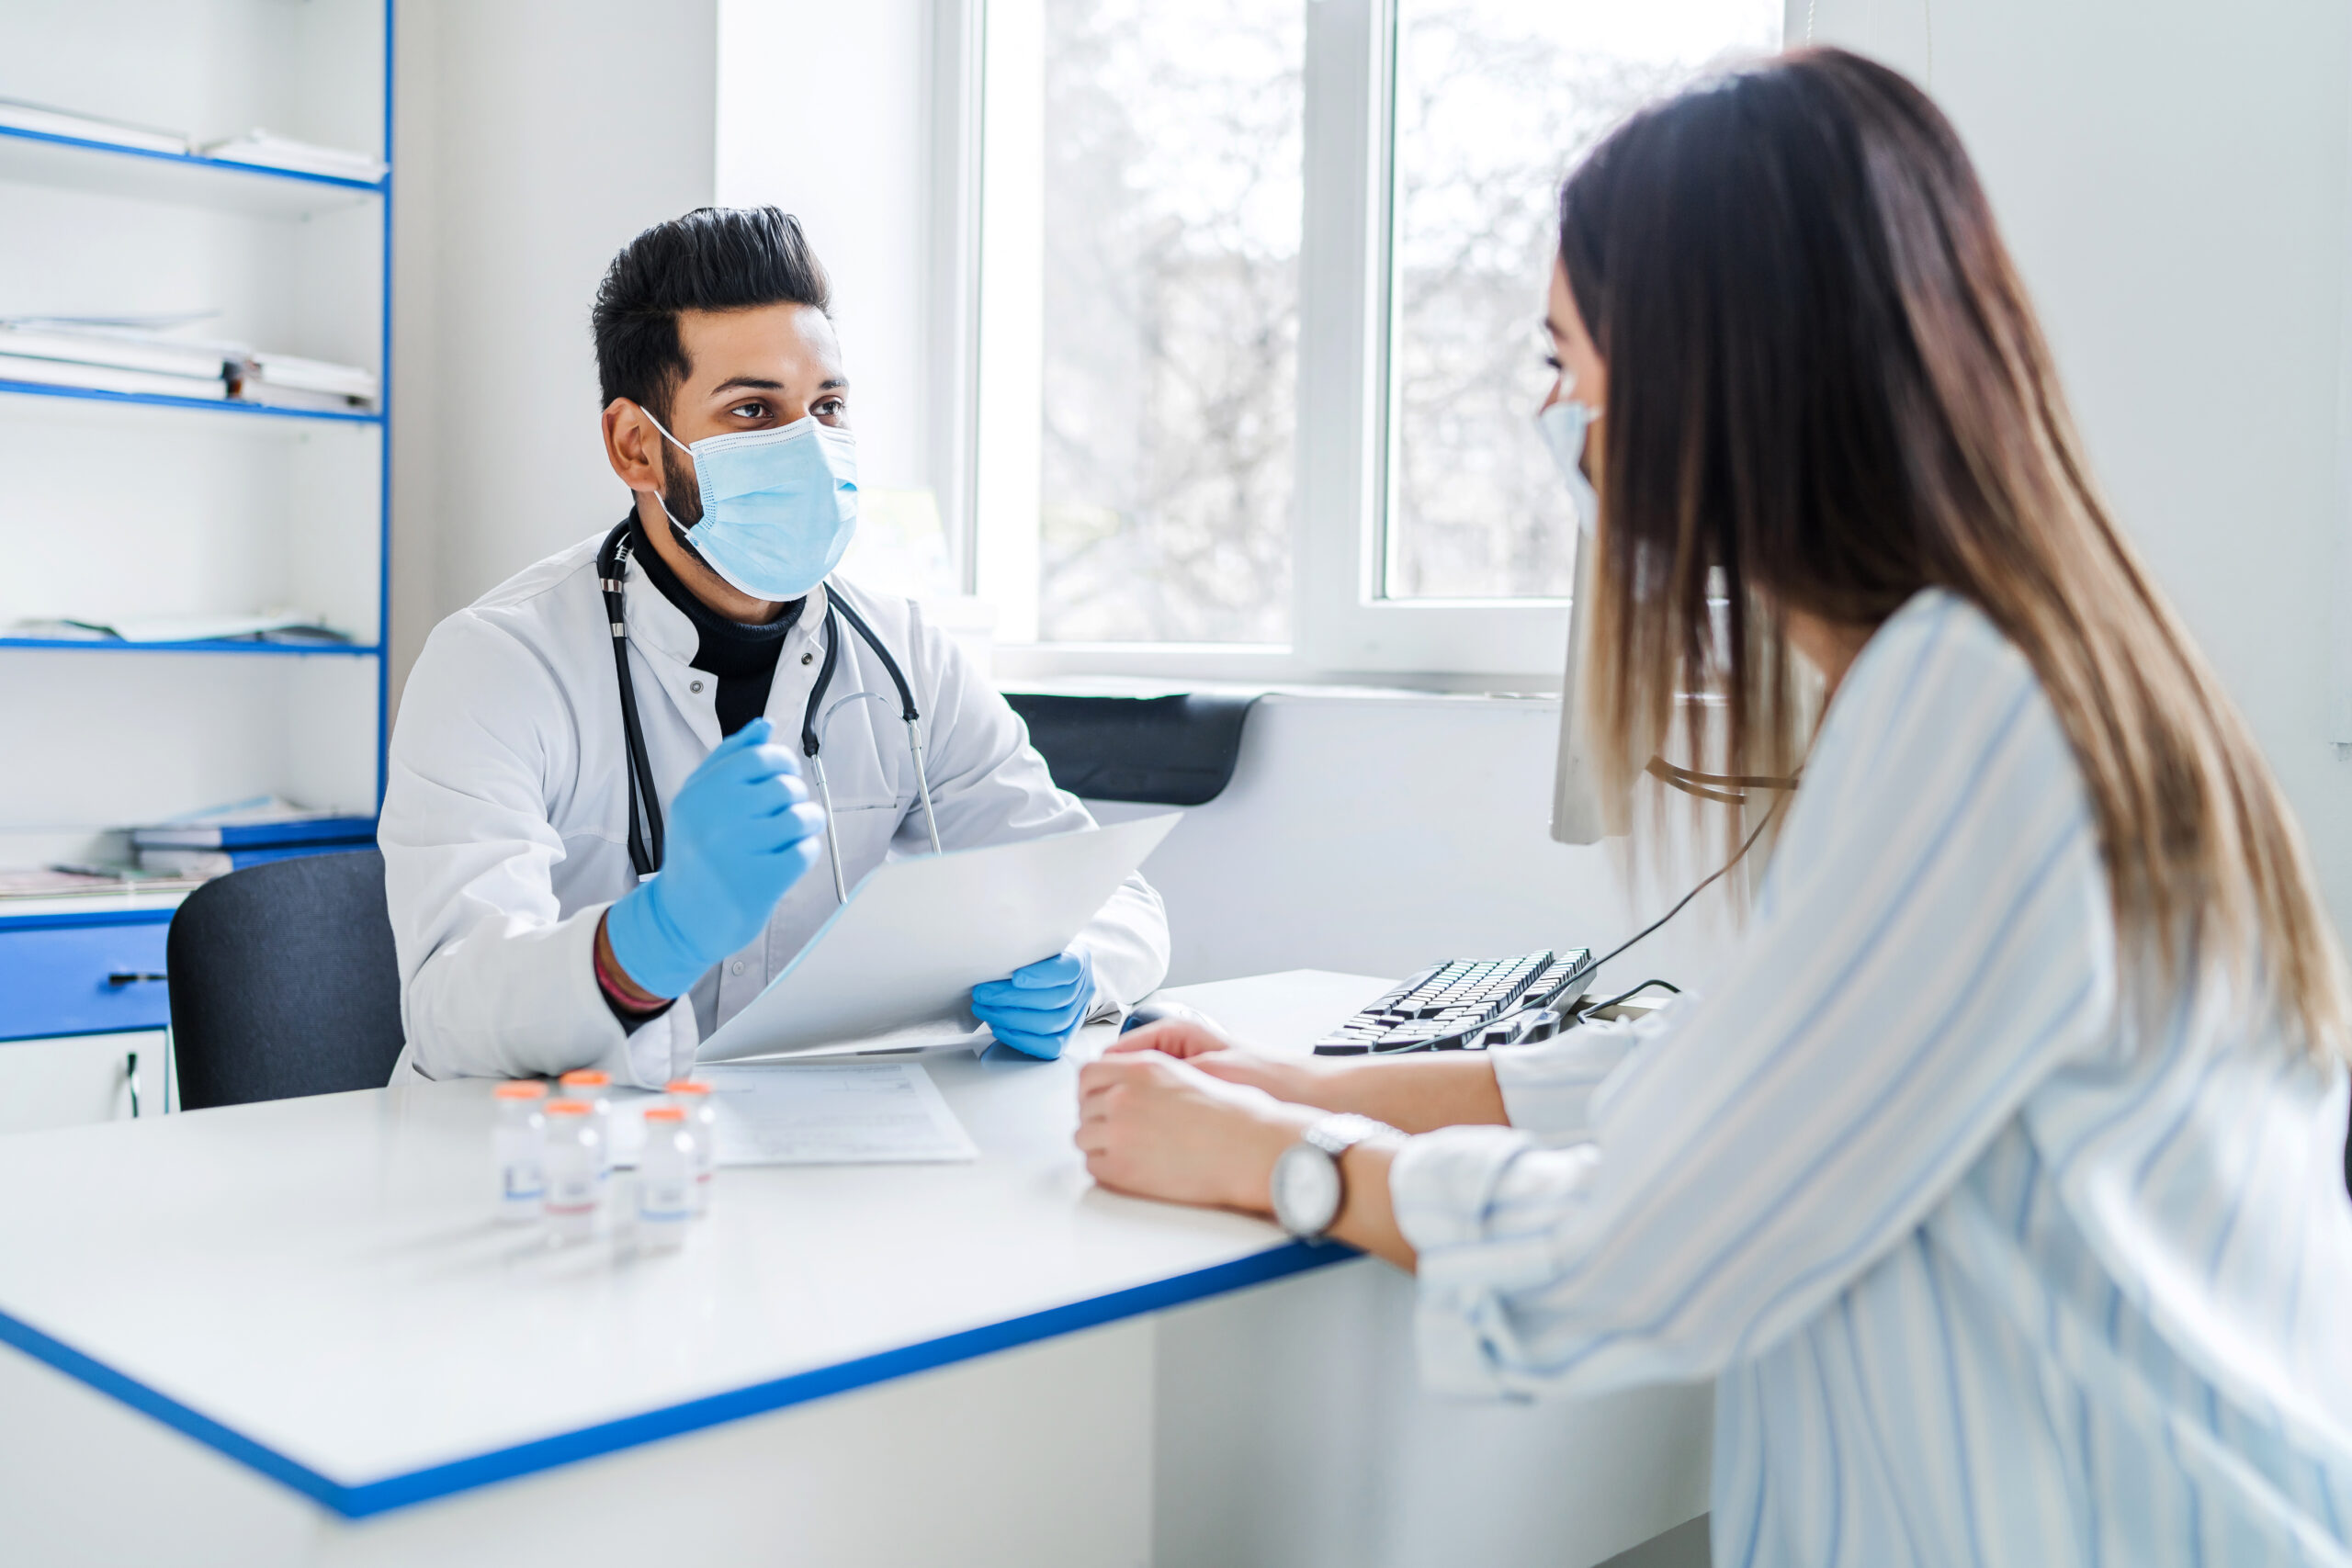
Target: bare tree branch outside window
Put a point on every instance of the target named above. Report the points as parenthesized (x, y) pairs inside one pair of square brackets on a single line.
[(1496, 100), (1174, 143), (1172, 195)]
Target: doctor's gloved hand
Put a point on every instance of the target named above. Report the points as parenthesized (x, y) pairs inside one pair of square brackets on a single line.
[(1039, 1006), (741, 831)]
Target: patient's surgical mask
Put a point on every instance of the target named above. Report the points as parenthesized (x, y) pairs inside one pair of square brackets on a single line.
[(778, 506), (1564, 425)]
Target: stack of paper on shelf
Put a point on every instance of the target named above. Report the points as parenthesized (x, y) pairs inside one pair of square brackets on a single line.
[(248, 833), (113, 359), (76, 882), (17, 115), (269, 151), (260, 625)]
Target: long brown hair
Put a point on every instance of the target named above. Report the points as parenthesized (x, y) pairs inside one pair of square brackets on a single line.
[(1828, 390)]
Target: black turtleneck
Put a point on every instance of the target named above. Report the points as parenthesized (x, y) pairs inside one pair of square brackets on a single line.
[(743, 657)]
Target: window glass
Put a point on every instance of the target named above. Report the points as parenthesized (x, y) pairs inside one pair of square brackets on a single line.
[(1172, 142), (1494, 101)]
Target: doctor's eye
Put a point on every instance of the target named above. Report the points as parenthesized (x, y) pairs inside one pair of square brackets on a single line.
[(832, 408), (755, 408)]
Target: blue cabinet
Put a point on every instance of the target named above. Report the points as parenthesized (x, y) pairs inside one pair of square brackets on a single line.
[(82, 974)]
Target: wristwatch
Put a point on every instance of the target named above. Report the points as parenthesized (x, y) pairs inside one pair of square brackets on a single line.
[(1307, 1187)]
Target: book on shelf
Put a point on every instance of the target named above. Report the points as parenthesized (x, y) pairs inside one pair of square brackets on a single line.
[(267, 149), (118, 348), (291, 371), (109, 379), (17, 115)]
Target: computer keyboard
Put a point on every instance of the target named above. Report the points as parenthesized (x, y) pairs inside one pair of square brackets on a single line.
[(1468, 1004)]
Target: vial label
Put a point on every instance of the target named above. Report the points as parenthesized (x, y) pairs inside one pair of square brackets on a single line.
[(660, 1200)]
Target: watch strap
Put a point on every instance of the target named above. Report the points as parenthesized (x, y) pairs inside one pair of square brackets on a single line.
[(1336, 1134)]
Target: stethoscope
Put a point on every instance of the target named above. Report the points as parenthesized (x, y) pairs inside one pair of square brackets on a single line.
[(645, 801)]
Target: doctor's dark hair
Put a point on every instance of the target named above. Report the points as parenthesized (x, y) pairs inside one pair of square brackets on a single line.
[(1828, 390), (715, 258)]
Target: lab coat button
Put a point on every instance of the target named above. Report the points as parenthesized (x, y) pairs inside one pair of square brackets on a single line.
[(694, 686), (736, 967)]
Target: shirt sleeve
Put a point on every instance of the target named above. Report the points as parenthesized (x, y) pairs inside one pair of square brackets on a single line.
[(496, 981), (988, 786), (1932, 938), (1547, 1088)]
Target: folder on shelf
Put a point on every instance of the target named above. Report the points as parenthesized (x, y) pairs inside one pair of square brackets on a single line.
[(308, 828), (247, 833), (266, 150), (17, 115), (221, 862)]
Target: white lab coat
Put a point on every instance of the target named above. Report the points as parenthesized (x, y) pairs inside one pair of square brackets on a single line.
[(505, 821)]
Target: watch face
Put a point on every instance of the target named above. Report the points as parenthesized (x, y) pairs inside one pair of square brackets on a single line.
[(1307, 1190)]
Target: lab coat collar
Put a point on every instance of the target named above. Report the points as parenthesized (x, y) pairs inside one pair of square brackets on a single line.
[(658, 626)]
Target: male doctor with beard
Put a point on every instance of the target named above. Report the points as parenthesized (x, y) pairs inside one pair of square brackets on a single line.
[(547, 917)]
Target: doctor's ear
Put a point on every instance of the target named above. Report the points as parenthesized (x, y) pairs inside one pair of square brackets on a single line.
[(632, 445)]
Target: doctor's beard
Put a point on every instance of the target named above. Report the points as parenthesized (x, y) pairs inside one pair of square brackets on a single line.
[(681, 495)]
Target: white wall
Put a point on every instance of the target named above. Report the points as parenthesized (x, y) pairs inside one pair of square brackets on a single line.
[(824, 110), (2173, 179), (534, 139), (1376, 833)]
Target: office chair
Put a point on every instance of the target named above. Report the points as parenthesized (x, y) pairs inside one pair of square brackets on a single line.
[(284, 983)]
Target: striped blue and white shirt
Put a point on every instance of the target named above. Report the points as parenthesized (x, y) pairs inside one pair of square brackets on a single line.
[(1997, 1255)]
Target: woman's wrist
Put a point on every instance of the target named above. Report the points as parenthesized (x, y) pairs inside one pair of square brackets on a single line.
[(1272, 1132)]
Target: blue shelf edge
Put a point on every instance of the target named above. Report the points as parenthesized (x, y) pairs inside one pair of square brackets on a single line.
[(193, 160), (157, 400), (360, 1500), (219, 645)]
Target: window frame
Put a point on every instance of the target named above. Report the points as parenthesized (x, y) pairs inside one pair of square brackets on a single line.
[(1341, 627)]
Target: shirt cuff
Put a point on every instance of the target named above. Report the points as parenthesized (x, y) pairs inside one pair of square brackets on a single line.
[(1443, 1187), (1548, 1087)]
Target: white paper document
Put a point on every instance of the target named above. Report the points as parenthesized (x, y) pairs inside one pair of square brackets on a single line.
[(895, 967), (834, 1114), (816, 1113)]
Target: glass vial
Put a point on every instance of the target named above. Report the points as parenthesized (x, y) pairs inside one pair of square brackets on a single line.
[(573, 1171), (516, 1139), (665, 1180)]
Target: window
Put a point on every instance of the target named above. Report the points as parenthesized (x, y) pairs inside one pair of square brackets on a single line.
[(1256, 322)]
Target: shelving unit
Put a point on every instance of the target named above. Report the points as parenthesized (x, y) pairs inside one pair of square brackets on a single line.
[(122, 505)]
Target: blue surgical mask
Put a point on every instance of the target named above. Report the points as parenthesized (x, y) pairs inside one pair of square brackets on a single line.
[(778, 506), (1564, 424)]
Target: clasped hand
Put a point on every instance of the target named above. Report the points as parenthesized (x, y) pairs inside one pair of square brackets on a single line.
[(1173, 1112), (741, 831)]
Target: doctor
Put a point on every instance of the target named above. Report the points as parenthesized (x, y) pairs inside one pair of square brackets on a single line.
[(575, 885)]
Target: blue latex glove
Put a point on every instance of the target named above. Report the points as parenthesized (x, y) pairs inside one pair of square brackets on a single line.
[(740, 832), (1038, 1007)]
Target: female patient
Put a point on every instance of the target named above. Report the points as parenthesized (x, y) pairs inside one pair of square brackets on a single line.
[(1996, 1178)]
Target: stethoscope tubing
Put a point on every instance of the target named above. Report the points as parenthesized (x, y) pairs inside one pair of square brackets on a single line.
[(645, 825)]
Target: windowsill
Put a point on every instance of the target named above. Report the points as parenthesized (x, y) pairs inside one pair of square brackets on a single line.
[(1373, 688)]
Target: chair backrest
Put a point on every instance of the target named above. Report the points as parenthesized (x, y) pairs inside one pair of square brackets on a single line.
[(284, 982)]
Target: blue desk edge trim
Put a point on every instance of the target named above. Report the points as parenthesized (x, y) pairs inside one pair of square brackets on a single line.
[(60, 919), (439, 1481)]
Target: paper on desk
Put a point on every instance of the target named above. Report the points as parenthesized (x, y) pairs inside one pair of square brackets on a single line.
[(816, 1113)]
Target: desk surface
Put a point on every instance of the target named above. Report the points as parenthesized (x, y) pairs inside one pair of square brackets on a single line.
[(320, 1291)]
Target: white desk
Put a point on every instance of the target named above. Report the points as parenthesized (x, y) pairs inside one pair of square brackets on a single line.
[(315, 1347)]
